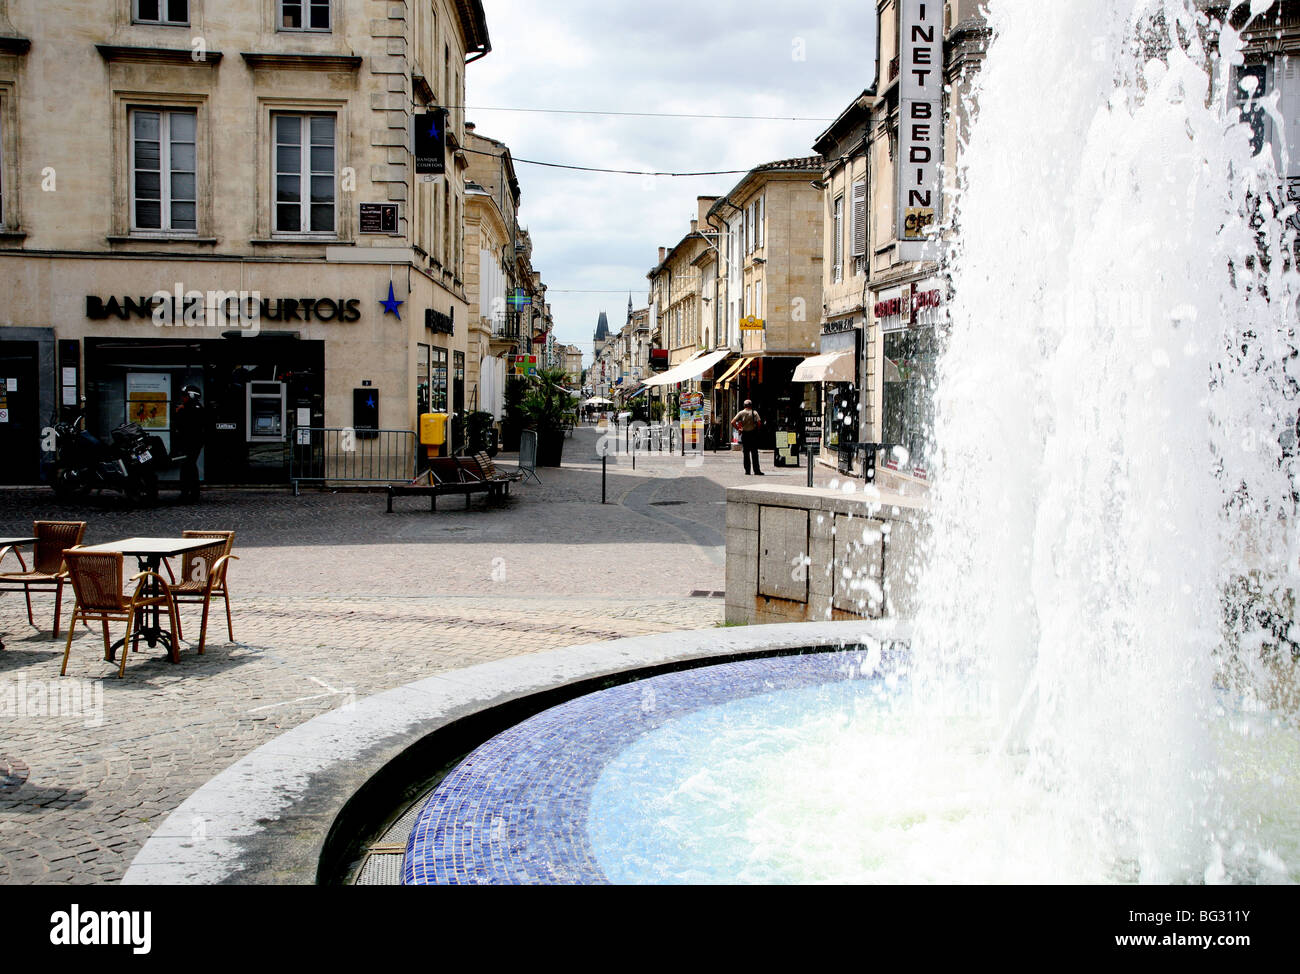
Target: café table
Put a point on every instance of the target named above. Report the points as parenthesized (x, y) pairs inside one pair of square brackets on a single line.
[(149, 553), (14, 543)]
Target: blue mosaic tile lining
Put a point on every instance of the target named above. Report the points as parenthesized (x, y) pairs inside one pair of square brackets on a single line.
[(516, 809)]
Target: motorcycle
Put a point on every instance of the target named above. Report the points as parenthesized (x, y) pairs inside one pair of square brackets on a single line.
[(129, 464)]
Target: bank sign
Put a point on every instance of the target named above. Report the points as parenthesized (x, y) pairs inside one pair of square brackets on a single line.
[(920, 125)]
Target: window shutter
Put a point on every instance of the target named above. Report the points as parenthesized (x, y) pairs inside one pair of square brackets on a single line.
[(760, 221), (860, 218), (1290, 103)]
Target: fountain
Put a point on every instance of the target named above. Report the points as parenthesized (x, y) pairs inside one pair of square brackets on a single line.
[(1095, 685), (1106, 522)]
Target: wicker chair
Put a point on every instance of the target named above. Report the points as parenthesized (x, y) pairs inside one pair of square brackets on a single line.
[(203, 575), (96, 580), (53, 538)]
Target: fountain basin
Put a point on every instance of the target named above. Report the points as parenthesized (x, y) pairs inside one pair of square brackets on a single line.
[(825, 767)]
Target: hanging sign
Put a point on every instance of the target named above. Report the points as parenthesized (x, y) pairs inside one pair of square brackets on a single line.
[(522, 365), (920, 126), (429, 142)]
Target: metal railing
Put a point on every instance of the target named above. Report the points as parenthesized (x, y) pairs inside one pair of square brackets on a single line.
[(505, 324), (343, 455)]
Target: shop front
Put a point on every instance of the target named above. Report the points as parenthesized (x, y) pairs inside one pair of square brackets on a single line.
[(273, 347), (27, 400), (257, 391), (908, 317), (832, 380), (767, 380)]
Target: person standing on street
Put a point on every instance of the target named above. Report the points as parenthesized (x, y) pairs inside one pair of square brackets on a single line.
[(748, 422), (188, 430)]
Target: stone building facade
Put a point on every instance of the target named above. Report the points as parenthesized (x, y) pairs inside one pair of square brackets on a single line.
[(254, 147), (769, 291)]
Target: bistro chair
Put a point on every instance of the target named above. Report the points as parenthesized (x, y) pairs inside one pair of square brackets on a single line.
[(96, 580), (53, 539), (203, 575)]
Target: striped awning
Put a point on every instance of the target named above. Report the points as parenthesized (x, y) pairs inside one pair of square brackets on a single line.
[(732, 372)]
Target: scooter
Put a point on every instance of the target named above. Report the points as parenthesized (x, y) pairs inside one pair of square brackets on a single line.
[(83, 462)]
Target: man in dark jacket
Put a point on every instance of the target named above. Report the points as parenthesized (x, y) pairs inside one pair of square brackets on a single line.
[(188, 431)]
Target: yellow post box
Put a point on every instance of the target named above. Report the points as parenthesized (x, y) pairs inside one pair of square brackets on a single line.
[(433, 432)]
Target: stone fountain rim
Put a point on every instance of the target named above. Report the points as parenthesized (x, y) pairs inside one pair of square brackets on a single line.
[(267, 817)]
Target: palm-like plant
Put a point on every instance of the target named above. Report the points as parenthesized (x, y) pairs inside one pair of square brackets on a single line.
[(547, 404)]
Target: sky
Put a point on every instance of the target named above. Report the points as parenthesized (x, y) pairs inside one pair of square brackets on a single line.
[(596, 236)]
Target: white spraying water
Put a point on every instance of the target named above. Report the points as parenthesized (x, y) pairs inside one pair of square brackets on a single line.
[(1108, 412)]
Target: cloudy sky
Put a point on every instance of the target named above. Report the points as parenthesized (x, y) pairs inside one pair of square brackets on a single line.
[(597, 232)]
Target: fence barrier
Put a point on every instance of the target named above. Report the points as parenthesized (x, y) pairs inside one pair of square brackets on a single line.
[(342, 455)]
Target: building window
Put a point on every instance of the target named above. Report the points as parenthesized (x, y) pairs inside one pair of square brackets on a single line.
[(304, 173), (758, 222), (837, 245), (304, 14), (166, 13), (164, 192), (758, 299), (859, 227)]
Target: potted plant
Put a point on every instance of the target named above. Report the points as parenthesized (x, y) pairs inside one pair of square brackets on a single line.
[(514, 414), (547, 406), (479, 433)]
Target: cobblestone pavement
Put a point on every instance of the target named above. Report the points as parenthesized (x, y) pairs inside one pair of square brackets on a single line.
[(332, 598)]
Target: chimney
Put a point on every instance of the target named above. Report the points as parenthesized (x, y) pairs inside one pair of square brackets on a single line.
[(663, 252), (702, 206), (695, 226)]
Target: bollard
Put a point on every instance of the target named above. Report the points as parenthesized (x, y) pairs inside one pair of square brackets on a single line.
[(809, 455), (603, 458)]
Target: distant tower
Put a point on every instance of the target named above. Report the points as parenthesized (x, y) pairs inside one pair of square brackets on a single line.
[(602, 328), (629, 305)]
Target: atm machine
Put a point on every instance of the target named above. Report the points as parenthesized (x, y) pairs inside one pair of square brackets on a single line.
[(265, 416)]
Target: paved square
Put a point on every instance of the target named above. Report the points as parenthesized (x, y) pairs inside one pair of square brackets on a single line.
[(332, 598)]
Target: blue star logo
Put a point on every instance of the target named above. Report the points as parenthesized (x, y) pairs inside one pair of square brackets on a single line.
[(392, 304), (433, 127), (370, 402)]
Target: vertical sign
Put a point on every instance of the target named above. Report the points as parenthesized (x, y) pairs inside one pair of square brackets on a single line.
[(920, 124), (430, 142)]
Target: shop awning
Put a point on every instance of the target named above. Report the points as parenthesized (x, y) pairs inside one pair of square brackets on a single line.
[(831, 367), (732, 372), (692, 368)]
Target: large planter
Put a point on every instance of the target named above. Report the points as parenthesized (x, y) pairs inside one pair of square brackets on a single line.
[(550, 447), (510, 437)]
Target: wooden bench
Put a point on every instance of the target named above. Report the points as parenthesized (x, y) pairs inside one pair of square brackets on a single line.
[(449, 475), (495, 475)]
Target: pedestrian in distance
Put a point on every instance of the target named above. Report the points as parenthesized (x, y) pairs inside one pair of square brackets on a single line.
[(748, 422), (188, 430)]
